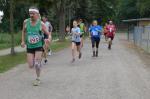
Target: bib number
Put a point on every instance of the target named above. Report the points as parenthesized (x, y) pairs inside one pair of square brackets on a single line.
[(33, 39), (94, 33), (110, 30)]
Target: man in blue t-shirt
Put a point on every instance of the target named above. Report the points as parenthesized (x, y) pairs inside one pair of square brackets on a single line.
[(95, 34)]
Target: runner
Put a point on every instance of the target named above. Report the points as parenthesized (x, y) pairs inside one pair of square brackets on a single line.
[(32, 37), (46, 44), (105, 31), (95, 33), (111, 33), (76, 40), (82, 30)]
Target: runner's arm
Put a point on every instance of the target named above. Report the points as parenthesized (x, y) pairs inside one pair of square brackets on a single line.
[(50, 27), (89, 32), (114, 30), (44, 29), (23, 34), (85, 29), (78, 32)]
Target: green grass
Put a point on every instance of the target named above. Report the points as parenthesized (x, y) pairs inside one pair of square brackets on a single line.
[(5, 39), (57, 46), (9, 61)]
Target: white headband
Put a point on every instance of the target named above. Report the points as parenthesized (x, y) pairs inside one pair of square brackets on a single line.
[(34, 10)]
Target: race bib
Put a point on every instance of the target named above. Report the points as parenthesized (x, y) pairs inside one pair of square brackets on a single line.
[(94, 33), (33, 39), (110, 30)]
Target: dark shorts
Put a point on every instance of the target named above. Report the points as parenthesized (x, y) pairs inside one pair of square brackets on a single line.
[(95, 39), (111, 37), (105, 33), (45, 36), (77, 43), (33, 50)]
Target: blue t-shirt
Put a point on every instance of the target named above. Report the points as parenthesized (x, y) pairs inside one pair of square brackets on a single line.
[(95, 31), (76, 34)]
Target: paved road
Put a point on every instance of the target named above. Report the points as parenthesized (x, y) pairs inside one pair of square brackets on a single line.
[(116, 74)]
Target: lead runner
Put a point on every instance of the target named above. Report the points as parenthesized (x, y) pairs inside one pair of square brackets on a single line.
[(32, 37)]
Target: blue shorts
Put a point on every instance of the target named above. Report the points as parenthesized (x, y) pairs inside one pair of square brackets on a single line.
[(95, 39)]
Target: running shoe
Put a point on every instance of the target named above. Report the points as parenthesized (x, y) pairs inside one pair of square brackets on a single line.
[(36, 82), (93, 54), (109, 47), (96, 54), (49, 53), (80, 55), (72, 60), (45, 61)]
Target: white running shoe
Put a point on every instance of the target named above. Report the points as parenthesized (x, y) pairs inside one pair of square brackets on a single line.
[(50, 53), (36, 82)]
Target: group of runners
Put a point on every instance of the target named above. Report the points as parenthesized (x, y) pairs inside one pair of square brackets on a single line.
[(95, 32), (36, 36)]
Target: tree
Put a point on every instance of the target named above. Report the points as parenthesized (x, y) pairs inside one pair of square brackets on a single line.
[(12, 26), (60, 7), (144, 8)]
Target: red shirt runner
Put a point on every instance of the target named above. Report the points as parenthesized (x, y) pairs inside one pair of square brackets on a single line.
[(111, 29)]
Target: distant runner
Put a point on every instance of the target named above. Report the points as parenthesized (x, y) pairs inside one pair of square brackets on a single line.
[(95, 34), (76, 40), (105, 31), (82, 30), (46, 44), (111, 33)]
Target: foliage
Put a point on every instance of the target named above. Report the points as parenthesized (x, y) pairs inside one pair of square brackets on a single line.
[(86, 9)]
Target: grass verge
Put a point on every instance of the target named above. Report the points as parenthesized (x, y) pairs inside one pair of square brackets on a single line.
[(9, 61), (5, 39)]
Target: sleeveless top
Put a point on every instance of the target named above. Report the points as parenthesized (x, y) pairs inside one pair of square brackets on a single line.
[(34, 36)]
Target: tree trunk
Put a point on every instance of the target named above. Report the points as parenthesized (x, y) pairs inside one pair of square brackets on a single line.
[(62, 21), (12, 26)]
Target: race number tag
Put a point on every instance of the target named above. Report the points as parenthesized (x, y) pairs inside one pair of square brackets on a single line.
[(94, 33), (33, 39), (110, 30)]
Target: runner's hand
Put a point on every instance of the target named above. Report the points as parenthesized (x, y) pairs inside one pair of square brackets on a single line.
[(47, 41), (23, 44)]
